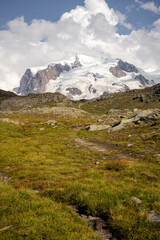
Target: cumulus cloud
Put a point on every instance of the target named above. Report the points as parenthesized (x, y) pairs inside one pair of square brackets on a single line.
[(150, 6), (90, 29)]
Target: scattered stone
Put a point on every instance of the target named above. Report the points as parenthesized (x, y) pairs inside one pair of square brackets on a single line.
[(113, 111), (136, 200), (17, 123), (4, 179), (153, 217), (50, 122), (33, 191), (99, 120), (41, 129), (97, 163), (95, 127), (129, 145), (135, 110)]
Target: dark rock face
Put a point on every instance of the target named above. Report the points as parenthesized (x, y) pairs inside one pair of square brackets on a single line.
[(76, 63), (6, 94), (142, 80), (91, 89), (26, 83), (127, 67), (150, 94), (37, 83), (117, 72), (74, 91)]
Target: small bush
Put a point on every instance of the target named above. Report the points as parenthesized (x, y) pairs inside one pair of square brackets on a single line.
[(117, 165)]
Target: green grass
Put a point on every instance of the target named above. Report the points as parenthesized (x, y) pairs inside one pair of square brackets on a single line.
[(32, 217), (65, 173)]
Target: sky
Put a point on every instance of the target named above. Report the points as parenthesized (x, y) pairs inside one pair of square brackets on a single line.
[(37, 32)]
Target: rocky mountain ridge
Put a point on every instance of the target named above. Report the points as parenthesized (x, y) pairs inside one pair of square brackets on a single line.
[(84, 78), (140, 98)]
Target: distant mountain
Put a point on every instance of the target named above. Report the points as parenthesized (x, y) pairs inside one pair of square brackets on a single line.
[(84, 78)]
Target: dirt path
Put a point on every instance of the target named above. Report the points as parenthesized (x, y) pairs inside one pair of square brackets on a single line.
[(97, 148), (92, 146)]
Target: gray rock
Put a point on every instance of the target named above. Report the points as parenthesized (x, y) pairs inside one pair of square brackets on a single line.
[(114, 111), (146, 116), (153, 217), (74, 91), (120, 125), (97, 163), (50, 122), (117, 72), (141, 116), (95, 127), (97, 223), (136, 200)]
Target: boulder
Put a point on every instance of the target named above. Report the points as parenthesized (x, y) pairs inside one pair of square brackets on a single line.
[(95, 127), (144, 116), (153, 217), (120, 125), (136, 200), (50, 122)]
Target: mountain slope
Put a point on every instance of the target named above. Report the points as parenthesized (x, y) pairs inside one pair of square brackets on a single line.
[(84, 78)]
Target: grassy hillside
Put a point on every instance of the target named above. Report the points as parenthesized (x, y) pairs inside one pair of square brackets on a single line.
[(49, 162)]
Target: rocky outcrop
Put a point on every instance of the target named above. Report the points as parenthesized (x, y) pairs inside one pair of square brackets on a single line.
[(74, 91), (32, 101), (143, 81), (76, 62), (144, 116), (117, 72), (37, 84), (127, 67)]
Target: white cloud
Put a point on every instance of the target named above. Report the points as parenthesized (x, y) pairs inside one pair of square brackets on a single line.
[(150, 6), (129, 8), (91, 30), (122, 20)]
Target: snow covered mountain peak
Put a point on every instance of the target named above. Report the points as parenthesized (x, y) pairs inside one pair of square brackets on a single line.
[(84, 77)]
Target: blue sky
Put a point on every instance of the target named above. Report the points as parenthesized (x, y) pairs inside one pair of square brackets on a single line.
[(37, 32), (53, 9)]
